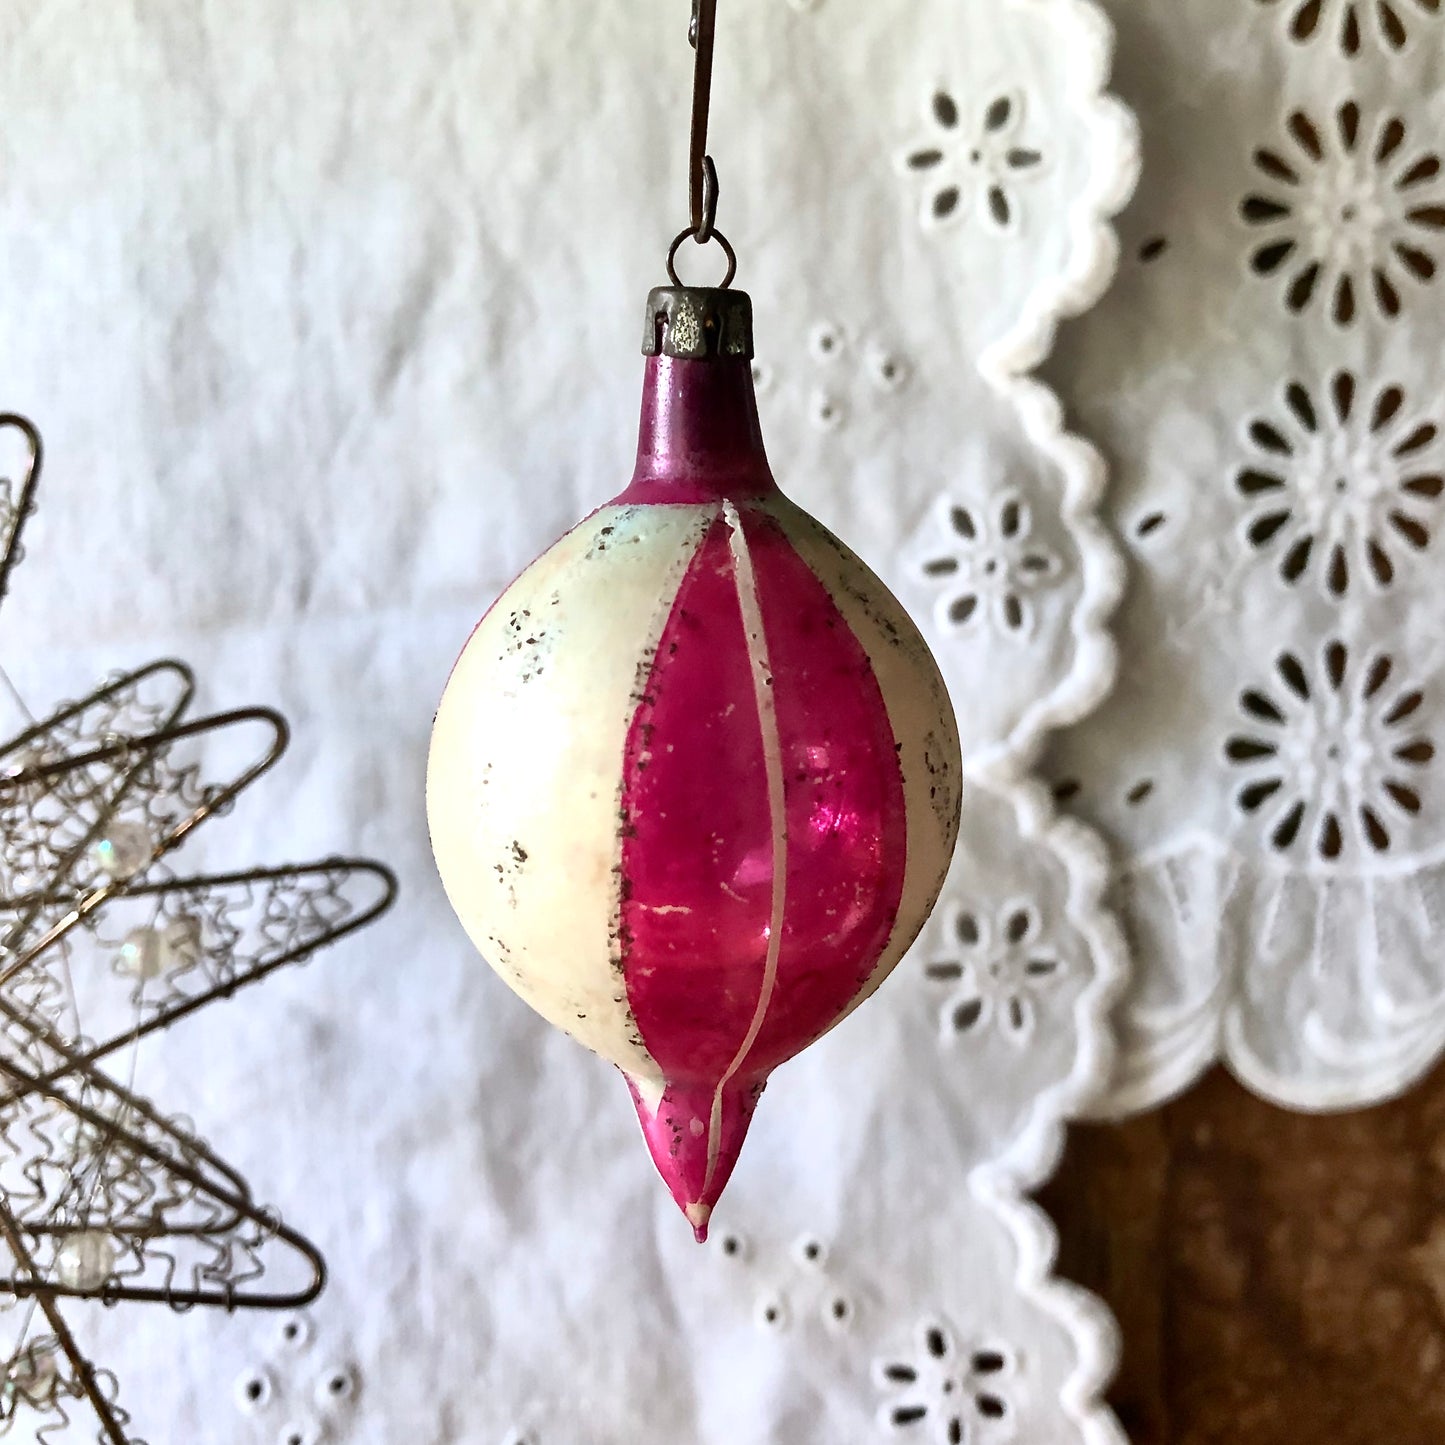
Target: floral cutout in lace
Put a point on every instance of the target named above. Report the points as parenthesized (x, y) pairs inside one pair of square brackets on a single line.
[(289, 1374), (841, 362), (976, 167), (1340, 484), (1349, 214), (1390, 22), (802, 1289), (946, 1395), (1331, 758), (985, 563), (994, 972)]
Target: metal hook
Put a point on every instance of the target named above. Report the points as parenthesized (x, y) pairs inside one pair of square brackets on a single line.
[(702, 173), (707, 227)]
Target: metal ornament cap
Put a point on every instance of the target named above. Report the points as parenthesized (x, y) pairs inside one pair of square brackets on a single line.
[(698, 323)]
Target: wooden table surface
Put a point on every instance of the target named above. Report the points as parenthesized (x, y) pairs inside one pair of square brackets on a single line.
[(1279, 1278)]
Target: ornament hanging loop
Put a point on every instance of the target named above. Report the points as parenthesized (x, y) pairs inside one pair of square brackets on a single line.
[(693, 234)]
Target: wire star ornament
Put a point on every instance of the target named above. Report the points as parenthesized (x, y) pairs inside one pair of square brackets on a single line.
[(102, 1196)]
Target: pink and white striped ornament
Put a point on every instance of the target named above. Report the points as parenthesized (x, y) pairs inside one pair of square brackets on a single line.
[(694, 782)]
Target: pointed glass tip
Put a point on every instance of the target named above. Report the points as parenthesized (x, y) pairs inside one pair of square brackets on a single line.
[(695, 1134), (699, 1216)]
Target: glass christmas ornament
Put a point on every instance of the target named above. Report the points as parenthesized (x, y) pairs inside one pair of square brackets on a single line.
[(694, 783)]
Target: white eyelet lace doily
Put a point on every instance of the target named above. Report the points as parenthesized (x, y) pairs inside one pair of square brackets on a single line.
[(330, 321), (1267, 379)]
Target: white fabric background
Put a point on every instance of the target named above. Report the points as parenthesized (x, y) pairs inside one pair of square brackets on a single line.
[(329, 314)]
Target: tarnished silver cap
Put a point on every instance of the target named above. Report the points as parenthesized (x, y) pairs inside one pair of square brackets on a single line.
[(698, 323)]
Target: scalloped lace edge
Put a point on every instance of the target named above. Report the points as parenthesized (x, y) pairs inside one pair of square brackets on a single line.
[(1003, 1183), (1033, 1156)]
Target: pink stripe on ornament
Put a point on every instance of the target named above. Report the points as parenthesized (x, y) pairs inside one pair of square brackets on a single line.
[(847, 820), (764, 840), (697, 856)]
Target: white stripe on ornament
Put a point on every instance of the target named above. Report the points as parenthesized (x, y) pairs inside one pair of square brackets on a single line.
[(748, 599)]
